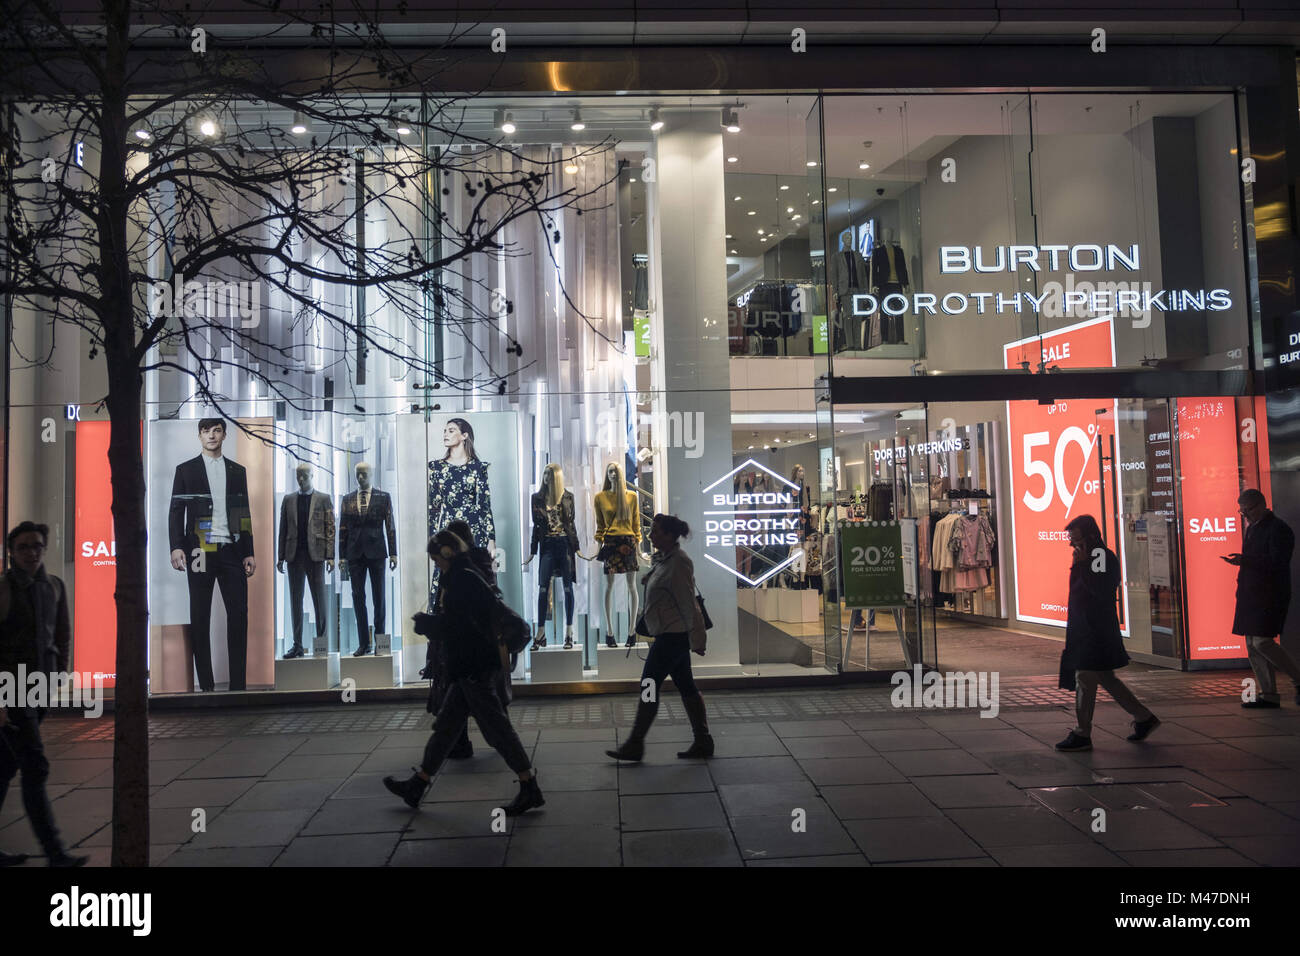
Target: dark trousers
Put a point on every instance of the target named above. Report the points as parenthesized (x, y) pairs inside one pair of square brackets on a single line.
[(304, 571), (481, 697), (670, 656), (358, 570), (223, 567), (556, 561), (21, 750)]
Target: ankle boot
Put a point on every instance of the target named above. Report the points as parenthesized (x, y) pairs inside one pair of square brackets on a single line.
[(529, 796), (703, 745), (633, 748), (411, 791)]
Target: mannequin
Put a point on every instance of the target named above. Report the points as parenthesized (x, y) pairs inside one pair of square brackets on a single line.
[(556, 537), (889, 277), (458, 491), (306, 542), (618, 531), (849, 276), (367, 535), (805, 500)]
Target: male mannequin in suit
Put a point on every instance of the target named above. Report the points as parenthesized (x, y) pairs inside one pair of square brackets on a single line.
[(306, 542), (210, 531), (365, 527)]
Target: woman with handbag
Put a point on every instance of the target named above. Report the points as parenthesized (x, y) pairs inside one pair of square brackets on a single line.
[(473, 661), (676, 620)]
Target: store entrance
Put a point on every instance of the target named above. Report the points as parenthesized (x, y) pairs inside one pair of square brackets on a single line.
[(980, 493)]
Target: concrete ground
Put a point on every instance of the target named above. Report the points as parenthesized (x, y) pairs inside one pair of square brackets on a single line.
[(810, 776)]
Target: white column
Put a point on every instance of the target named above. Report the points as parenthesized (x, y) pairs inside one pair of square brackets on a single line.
[(691, 371)]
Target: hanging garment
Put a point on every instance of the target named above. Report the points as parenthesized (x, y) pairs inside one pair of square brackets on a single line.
[(888, 265), (640, 286)]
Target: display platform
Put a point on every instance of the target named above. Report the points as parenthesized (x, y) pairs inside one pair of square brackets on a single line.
[(556, 664), (615, 663), (307, 673), (373, 670)]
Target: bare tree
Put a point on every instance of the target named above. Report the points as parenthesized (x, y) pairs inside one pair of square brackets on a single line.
[(192, 175)]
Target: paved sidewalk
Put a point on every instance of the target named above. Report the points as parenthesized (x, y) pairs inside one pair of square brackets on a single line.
[(873, 785)]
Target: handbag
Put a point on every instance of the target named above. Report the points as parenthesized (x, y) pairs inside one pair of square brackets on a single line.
[(704, 611)]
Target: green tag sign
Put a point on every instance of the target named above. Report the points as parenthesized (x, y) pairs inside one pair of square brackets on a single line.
[(871, 564), (821, 335), (641, 330)]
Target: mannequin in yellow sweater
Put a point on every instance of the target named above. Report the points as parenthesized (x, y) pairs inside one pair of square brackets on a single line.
[(618, 534)]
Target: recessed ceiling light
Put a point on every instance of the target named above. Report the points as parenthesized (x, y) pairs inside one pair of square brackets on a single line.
[(816, 202), (632, 179), (812, 162), (728, 235), (760, 232), (864, 165), (732, 159), (789, 208), (737, 198), (785, 186), (833, 189), (752, 212)]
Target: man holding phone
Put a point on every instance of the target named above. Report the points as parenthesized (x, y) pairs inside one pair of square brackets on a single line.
[(1263, 596)]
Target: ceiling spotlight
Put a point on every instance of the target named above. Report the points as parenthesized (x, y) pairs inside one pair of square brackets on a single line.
[(833, 189), (732, 159), (729, 120), (632, 179), (504, 121), (207, 126), (760, 232), (728, 236), (752, 212), (571, 168), (577, 125), (300, 123), (656, 124), (785, 186), (143, 134), (811, 163), (737, 198), (399, 125), (733, 252), (789, 208), (816, 202), (864, 165)]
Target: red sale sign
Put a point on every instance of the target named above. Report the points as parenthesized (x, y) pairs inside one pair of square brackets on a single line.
[(94, 647), (1222, 449), (1055, 477)]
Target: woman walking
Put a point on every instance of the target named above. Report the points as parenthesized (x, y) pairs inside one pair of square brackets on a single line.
[(674, 618), (1094, 647), (462, 626)]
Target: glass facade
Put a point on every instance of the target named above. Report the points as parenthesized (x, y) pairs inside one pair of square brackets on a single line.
[(673, 337)]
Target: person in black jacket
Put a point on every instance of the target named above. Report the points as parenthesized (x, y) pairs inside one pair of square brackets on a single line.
[(35, 635), (210, 532), (1263, 595), (1094, 647), (462, 624)]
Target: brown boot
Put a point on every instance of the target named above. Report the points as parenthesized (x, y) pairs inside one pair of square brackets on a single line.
[(633, 748), (702, 748)]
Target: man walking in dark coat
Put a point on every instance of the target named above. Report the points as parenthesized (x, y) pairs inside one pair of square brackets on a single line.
[(35, 636), (1094, 647), (1263, 595)]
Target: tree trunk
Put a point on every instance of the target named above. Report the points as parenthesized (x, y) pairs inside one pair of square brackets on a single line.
[(125, 461), (131, 701)]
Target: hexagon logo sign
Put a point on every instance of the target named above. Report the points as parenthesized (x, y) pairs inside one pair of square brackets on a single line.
[(751, 521)]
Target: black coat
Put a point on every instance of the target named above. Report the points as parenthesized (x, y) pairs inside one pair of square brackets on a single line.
[(370, 535), (191, 507), (1264, 578), (462, 623), (1092, 638)]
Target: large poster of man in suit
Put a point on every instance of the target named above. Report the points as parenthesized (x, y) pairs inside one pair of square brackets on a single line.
[(210, 521)]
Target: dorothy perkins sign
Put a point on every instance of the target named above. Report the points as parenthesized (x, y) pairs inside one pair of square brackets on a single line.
[(958, 260), (760, 522)]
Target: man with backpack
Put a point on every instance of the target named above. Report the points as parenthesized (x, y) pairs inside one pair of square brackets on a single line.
[(474, 629)]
